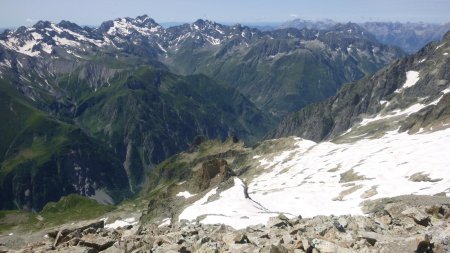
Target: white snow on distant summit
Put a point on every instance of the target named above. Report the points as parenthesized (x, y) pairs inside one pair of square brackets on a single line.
[(24, 47), (124, 27), (212, 40)]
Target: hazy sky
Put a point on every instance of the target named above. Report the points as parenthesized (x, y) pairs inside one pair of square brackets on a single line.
[(93, 12)]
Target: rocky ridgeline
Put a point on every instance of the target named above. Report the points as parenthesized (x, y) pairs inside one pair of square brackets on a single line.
[(410, 224)]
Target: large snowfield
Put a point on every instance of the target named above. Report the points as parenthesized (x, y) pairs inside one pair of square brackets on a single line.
[(307, 180), (327, 178)]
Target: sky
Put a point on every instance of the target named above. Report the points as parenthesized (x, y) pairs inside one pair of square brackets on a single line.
[(14, 13)]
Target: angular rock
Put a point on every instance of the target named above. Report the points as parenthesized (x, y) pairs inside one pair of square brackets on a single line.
[(385, 220), (77, 249), (339, 226), (210, 247), (238, 248), (372, 237), (328, 247), (420, 243), (274, 249), (81, 227), (113, 249), (231, 238), (278, 222), (211, 173), (419, 217), (96, 242)]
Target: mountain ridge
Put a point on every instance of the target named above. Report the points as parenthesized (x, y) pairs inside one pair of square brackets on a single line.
[(334, 122), (215, 46), (410, 36)]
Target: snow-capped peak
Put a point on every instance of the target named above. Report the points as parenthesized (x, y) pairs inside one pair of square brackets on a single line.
[(44, 36), (141, 25)]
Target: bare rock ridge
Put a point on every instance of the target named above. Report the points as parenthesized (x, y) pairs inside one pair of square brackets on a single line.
[(380, 95), (411, 37), (212, 173)]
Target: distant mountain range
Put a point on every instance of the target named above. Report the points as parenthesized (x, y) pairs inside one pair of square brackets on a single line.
[(408, 36), (122, 97), (249, 60)]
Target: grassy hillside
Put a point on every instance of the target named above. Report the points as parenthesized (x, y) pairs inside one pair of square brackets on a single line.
[(147, 115), (42, 159)]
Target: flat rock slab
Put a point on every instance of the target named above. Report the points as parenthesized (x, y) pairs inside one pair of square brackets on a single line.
[(77, 249), (65, 230), (96, 242), (371, 206)]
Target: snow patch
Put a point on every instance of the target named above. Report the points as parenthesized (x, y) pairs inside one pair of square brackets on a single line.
[(122, 223), (102, 197), (446, 90), (396, 113), (185, 194), (411, 79), (65, 42), (384, 102), (36, 36), (441, 45), (23, 47), (165, 222), (47, 48), (212, 40), (6, 63), (160, 47), (232, 208)]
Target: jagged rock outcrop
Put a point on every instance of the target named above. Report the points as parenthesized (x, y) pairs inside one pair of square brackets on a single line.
[(212, 173)]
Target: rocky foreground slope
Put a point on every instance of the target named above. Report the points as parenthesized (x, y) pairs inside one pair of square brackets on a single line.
[(402, 224)]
